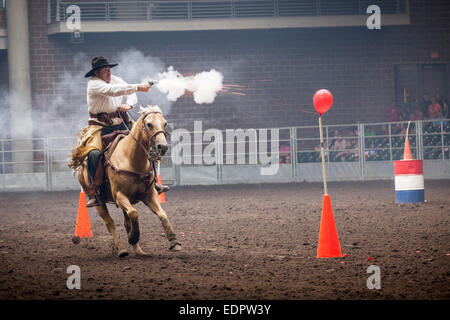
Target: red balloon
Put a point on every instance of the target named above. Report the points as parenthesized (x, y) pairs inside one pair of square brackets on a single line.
[(322, 100)]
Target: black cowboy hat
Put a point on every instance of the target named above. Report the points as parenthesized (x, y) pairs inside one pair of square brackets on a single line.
[(98, 63)]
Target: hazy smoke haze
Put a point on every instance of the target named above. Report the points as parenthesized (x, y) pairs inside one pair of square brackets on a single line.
[(61, 110)]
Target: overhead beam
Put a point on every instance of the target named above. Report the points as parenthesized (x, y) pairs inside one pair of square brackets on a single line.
[(228, 24)]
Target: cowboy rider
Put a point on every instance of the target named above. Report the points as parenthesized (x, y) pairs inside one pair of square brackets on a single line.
[(108, 98)]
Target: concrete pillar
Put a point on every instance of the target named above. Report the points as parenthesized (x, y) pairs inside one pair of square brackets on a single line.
[(19, 84)]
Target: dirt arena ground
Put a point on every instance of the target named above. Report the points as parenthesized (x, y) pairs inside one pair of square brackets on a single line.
[(239, 242)]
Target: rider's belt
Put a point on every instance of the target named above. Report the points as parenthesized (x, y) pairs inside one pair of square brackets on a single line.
[(107, 117)]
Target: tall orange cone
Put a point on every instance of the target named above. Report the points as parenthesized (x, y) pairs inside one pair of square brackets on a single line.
[(407, 155), (161, 196), (329, 246), (83, 227)]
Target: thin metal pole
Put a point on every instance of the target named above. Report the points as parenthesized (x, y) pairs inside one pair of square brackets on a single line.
[(322, 147), (390, 143), (362, 149), (3, 158), (442, 139), (293, 146)]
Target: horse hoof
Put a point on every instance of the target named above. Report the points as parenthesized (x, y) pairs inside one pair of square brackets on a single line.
[(139, 252), (76, 239), (174, 245), (123, 253), (175, 248)]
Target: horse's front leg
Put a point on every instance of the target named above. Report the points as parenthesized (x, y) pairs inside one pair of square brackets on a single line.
[(151, 200), (137, 248), (124, 203)]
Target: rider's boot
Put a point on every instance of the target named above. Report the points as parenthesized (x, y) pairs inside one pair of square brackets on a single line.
[(93, 197), (161, 188), (96, 182)]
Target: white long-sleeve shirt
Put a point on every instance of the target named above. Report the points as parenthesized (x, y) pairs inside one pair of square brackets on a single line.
[(108, 97)]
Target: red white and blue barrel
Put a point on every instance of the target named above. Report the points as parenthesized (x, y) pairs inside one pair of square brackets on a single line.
[(409, 186)]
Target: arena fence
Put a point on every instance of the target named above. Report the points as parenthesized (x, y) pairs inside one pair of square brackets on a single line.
[(354, 152)]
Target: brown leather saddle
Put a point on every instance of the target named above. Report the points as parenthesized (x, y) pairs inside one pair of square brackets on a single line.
[(111, 138)]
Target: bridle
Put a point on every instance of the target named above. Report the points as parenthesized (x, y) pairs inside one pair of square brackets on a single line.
[(153, 154)]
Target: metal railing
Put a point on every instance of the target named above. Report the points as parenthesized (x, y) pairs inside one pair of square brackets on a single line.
[(201, 9), (366, 147)]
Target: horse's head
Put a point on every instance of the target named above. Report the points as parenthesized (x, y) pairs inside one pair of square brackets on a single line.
[(154, 128)]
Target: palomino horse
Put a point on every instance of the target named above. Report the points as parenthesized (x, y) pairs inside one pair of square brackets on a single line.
[(130, 171)]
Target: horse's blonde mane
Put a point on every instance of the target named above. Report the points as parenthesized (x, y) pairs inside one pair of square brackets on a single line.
[(149, 109)]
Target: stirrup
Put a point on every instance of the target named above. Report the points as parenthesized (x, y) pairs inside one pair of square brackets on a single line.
[(93, 202)]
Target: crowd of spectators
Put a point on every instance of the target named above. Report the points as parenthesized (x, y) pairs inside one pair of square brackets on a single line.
[(430, 108)]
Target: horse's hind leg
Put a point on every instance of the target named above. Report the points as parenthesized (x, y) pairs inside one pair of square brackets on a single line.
[(151, 200), (109, 222), (127, 223)]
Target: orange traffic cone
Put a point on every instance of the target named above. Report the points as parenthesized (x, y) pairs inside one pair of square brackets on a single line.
[(407, 155), (83, 227), (161, 196), (329, 246)]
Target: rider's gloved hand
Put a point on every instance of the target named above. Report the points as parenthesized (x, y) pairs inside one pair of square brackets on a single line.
[(144, 86), (125, 107)]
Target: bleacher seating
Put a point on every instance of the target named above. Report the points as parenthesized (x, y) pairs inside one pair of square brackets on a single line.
[(435, 142)]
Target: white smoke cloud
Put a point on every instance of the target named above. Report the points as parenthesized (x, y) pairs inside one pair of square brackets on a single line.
[(171, 83), (204, 85)]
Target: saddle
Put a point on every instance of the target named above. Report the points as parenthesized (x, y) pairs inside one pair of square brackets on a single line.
[(111, 140)]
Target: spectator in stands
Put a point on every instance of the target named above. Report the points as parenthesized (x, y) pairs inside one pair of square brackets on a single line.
[(417, 115), (285, 152), (426, 101), (353, 138), (392, 112), (414, 105), (352, 145), (444, 104), (406, 109), (399, 128), (340, 144), (434, 109), (438, 119), (370, 132), (384, 130), (371, 152), (440, 98)]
